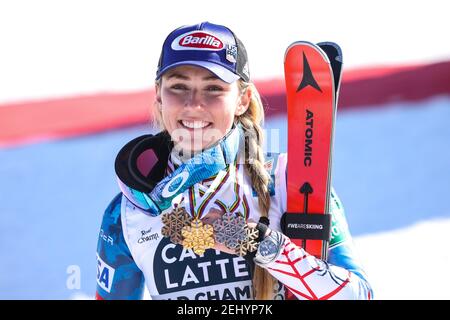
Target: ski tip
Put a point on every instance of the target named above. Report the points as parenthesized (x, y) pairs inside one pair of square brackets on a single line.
[(305, 43), (326, 45), (297, 43)]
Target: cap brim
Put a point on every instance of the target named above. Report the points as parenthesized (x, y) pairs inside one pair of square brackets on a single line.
[(221, 72)]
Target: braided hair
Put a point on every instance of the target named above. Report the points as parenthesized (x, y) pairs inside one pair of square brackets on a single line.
[(251, 122)]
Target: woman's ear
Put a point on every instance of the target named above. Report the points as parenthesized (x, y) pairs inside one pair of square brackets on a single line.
[(244, 101)]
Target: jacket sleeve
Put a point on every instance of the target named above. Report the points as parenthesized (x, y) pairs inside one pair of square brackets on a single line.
[(118, 276), (341, 277)]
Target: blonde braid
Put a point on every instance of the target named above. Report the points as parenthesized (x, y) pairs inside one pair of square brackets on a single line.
[(254, 161), (251, 120)]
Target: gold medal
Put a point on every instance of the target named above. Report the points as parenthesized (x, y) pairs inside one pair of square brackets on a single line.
[(198, 236), (174, 222)]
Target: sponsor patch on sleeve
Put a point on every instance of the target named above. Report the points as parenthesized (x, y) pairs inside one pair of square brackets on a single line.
[(105, 274)]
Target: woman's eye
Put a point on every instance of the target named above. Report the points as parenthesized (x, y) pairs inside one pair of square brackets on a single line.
[(214, 88), (179, 86)]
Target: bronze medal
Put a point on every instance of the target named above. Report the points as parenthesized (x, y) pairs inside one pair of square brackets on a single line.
[(174, 222), (250, 243)]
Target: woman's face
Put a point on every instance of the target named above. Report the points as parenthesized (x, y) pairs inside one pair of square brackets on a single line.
[(197, 107)]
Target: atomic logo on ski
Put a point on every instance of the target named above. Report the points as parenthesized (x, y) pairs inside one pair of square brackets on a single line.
[(308, 78)]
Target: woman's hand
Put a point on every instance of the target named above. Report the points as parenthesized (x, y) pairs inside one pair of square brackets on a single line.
[(252, 224), (213, 215), (223, 248)]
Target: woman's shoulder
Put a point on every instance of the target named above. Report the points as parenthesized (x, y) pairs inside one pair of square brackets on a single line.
[(113, 208), (120, 208), (111, 215), (275, 164), (274, 161)]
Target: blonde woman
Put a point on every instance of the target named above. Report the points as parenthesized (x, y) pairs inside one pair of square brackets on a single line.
[(199, 212)]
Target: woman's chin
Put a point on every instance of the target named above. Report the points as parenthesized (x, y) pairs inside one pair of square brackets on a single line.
[(192, 148), (195, 140)]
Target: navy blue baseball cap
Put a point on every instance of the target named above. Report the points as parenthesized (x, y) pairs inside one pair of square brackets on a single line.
[(206, 45)]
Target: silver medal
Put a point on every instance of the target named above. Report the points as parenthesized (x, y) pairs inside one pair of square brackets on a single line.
[(230, 230)]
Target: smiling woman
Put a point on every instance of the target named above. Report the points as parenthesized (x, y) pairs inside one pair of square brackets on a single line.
[(204, 196)]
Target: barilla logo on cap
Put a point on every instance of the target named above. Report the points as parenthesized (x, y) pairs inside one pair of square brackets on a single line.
[(197, 40)]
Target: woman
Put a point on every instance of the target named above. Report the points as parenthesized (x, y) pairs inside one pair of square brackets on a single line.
[(199, 212)]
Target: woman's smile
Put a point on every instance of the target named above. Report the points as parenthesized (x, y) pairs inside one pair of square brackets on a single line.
[(196, 124)]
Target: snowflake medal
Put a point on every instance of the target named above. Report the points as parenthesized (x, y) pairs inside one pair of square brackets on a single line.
[(174, 222), (230, 230), (198, 236), (250, 244)]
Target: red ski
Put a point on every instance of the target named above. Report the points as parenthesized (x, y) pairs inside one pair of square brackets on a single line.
[(311, 108)]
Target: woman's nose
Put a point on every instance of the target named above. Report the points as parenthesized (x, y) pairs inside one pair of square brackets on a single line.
[(193, 99)]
